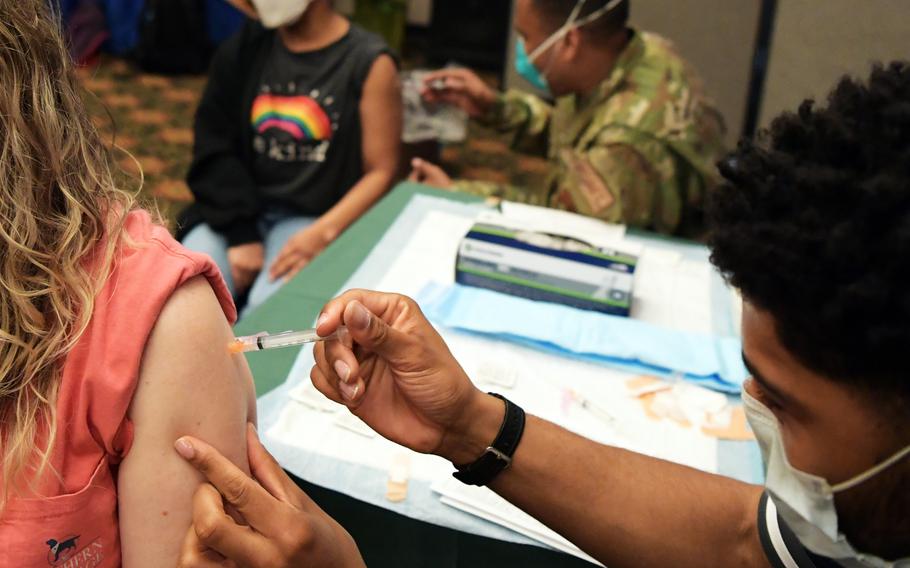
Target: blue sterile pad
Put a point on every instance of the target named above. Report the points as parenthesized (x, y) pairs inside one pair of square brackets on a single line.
[(709, 361)]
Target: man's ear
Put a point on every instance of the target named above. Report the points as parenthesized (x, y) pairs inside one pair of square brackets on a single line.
[(571, 45), (244, 6)]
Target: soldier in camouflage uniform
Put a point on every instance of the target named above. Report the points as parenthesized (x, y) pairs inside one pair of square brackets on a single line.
[(639, 148)]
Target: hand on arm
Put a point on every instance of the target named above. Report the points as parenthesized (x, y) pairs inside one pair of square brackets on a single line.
[(282, 526), (625, 509), (188, 384), (381, 124)]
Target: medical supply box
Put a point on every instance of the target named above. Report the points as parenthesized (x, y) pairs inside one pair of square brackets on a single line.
[(547, 268)]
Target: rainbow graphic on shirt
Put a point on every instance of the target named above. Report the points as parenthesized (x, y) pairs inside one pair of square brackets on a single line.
[(300, 116)]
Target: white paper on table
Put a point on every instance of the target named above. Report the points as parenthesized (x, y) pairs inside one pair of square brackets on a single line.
[(541, 382), (301, 427), (485, 504), (534, 379), (429, 256), (306, 394), (350, 422), (673, 292), (539, 389)]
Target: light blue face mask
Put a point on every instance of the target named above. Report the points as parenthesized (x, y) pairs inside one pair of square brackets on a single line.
[(524, 62), (526, 68)]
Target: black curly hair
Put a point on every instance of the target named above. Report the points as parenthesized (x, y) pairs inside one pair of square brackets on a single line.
[(813, 226)]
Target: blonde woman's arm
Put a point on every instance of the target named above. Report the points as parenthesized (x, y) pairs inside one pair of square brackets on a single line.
[(188, 384)]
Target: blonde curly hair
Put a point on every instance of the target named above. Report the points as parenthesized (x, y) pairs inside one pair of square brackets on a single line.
[(61, 221)]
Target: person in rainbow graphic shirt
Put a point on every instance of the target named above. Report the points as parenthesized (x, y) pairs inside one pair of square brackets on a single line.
[(297, 135)]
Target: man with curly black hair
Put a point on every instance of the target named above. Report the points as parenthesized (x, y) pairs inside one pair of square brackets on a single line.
[(814, 229), (813, 226)]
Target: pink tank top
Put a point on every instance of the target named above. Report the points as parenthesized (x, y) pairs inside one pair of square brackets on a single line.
[(76, 524)]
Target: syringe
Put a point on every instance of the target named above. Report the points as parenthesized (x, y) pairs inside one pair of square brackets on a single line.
[(263, 341)]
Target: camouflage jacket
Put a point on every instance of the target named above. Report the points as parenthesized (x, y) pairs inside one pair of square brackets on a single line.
[(640, 150)]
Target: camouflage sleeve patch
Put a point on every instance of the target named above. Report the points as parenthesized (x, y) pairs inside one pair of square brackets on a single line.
[(614, 183), (591, 186)]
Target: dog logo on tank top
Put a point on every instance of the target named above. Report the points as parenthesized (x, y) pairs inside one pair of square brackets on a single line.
[(69, 553)]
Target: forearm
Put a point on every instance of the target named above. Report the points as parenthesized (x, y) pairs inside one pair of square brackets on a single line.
[(524, 115), (623, 508), (488, 189), (380, 117), (371, 187)]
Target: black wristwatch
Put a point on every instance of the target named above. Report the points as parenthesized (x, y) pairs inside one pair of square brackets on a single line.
[(498, 455)]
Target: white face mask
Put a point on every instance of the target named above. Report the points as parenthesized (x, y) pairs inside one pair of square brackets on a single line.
[(276, 13), (806, 501)]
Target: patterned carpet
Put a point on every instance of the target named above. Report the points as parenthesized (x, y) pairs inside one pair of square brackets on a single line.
[(151, 117)]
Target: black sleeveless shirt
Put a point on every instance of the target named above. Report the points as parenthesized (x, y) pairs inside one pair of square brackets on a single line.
[(305, 121), (277, 130)]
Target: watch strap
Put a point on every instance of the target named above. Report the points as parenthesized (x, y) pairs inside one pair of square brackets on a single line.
[(498, 455)]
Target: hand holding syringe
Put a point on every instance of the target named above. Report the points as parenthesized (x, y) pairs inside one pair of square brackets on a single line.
[(263, 341)]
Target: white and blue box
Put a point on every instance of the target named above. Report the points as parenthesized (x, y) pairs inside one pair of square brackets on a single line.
[(547, 268)]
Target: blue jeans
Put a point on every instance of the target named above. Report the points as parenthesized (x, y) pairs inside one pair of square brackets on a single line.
[(276, 229)]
